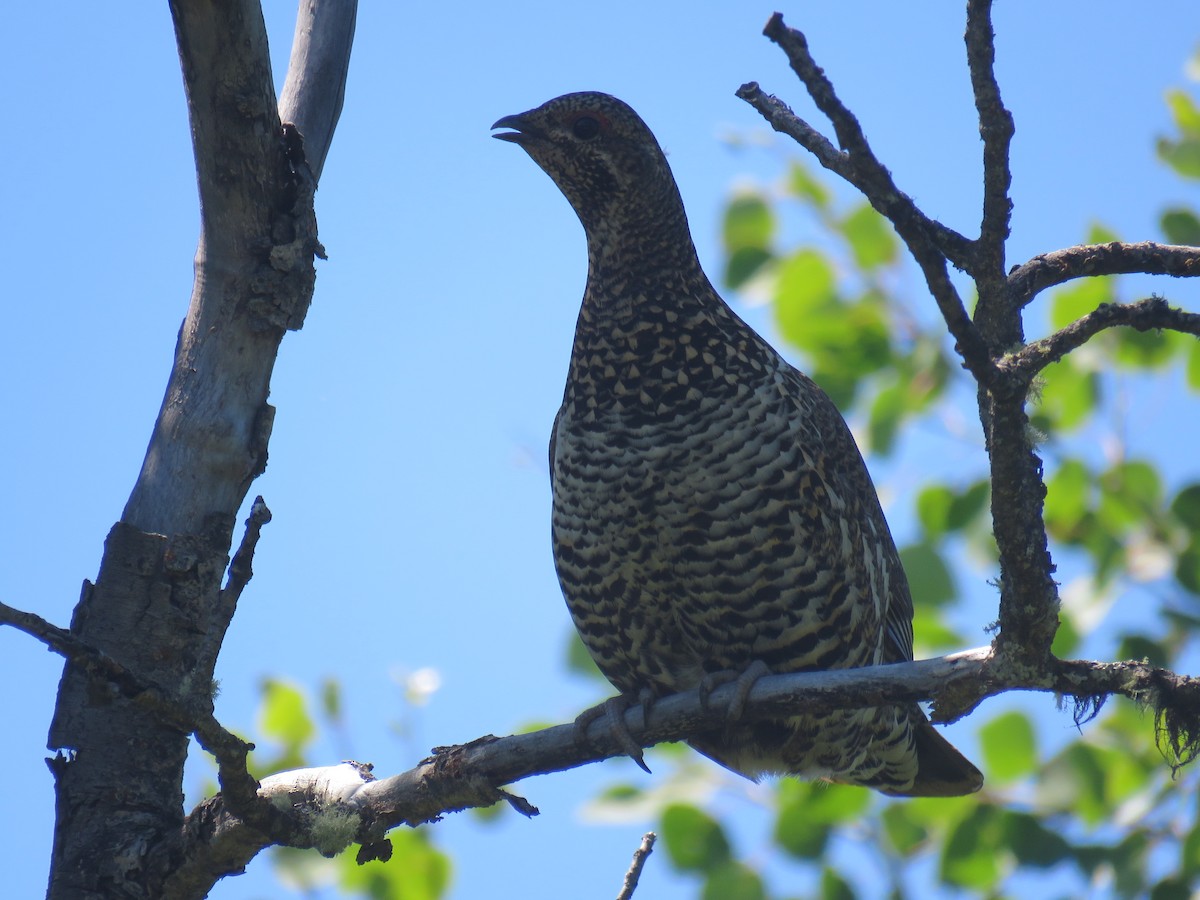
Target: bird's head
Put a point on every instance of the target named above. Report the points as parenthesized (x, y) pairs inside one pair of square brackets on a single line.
[(602, 157)]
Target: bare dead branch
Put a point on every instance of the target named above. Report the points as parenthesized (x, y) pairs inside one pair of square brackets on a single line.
[(931, 244), (1088, 260), (316, 81), (241, 568), (1148, 314), (640, 855), (227, 748), (996, 129)]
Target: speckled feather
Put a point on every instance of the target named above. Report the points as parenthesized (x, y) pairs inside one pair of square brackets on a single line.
[(711, 508)]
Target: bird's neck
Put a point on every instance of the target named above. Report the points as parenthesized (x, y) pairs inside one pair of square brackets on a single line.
[(640, 256)]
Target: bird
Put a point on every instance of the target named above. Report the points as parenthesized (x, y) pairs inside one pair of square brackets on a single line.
[(712, 517)]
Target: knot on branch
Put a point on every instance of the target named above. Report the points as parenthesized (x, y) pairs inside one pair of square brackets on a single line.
[(282, 289)]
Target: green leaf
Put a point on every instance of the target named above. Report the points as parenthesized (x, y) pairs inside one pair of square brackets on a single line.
[(1009, 747), (804, 290), (1130, 493), (1099, 233), (283, 715), (969, 858), (742, 265), (733, 881), (887, 412), (799, 835), (1193, 366), (1190, 852), (1068, 496), (931, 635), (834, 886), (933, 509), (807, 812), (1183, 155), (1032, 843), (747, 233), (580, 661), (1074, 782), (695, 841), (928, 575), (1187, 566), (1186, 506), (1079, 299), (1184, 111), (749, 222), (802, 184), (1147, 349), (1173, 888), (1181, 226), (331, 699), (1069, 396), (1066, 639), (1141, 647), (904, 833), (416, 871), (968, 504), (871, 238)]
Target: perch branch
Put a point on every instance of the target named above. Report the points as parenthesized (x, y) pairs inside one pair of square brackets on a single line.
[(472, 775)]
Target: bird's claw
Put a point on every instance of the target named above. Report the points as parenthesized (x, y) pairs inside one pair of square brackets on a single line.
[(743, 681), (614, 710)]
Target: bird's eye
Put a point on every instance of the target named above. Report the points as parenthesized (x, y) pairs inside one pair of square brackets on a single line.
[(585, 128)]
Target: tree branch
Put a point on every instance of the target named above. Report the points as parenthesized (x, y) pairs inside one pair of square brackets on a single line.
[(316, 81), (157, 604), (640, 855), (1087, 260), (227, 748), (996, 129), (329, 808), (1147, 314), (930, 243)]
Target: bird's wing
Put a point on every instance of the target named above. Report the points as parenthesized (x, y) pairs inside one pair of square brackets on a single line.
[(846, 465)]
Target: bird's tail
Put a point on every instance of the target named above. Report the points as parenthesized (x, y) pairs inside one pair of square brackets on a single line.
[(941, 770)]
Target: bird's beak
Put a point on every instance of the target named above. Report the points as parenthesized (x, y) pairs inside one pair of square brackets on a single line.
[(519, 126)]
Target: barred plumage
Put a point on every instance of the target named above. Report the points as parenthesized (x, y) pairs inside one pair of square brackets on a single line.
[(711, 510)]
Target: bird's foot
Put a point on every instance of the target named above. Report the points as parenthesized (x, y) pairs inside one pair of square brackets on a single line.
[(743, 681), (614, 710)]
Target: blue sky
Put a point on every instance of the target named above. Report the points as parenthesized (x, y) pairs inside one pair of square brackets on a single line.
[(407, 471)]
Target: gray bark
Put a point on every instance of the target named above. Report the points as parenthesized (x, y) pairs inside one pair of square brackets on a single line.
[(157, 605)]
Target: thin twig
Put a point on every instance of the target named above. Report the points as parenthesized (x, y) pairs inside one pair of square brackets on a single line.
[(1087, 260), (930, 243), (996, 129), (241, 568), (1145, 315), (228, 749), (640, 855)]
